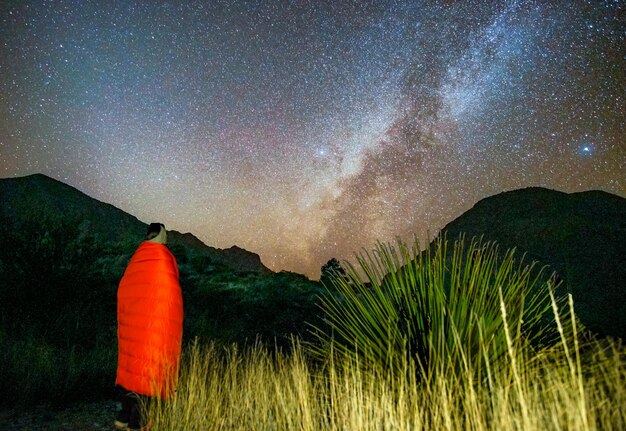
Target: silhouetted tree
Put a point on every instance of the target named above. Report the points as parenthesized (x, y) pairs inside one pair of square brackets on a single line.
[(331, 269)]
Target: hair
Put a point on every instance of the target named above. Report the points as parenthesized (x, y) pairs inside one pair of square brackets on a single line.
[(153, 230)]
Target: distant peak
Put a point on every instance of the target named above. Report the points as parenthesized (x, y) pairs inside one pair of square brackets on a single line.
[(236, 248), (246, 259), (36, 176)]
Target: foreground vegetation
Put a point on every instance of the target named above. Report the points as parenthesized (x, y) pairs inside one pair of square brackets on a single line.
[(563, 388), (436, 340), (58, 285), (458, 337)]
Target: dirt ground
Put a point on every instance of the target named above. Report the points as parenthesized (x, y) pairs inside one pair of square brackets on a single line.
[(96, 416)]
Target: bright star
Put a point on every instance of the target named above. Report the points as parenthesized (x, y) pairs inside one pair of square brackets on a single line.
[(586, 149)]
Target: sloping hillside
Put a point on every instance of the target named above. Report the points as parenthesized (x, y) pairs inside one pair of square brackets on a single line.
[(582, 236), (38, 197), (62, 255)]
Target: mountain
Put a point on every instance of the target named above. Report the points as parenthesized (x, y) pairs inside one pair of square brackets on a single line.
[(39, 197), (62, 255), (581, 236)]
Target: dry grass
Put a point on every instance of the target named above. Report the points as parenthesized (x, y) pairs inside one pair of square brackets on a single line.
[(568, 387), (462, 361)]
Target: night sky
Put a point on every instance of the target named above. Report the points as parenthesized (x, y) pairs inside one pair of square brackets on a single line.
[(306, 130)]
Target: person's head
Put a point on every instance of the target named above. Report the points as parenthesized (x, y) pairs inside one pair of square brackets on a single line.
[(156, 233)]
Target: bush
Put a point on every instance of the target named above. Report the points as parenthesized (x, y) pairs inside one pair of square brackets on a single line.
[(35, 370), (248, 307), (57, 302), (440, 307)]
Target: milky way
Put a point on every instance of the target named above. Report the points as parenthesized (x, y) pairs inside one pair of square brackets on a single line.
[(307, 130)]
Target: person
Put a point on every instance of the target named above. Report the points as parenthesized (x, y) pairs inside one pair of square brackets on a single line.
[(149, 328)]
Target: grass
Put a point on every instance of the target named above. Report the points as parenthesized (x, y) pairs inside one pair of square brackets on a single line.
[(260, 391), (456, 361)]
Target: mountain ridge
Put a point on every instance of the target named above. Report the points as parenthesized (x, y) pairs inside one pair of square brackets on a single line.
[(38, 194), (581, 236)]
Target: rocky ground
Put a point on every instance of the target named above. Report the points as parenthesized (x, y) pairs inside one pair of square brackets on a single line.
[(95, 416)]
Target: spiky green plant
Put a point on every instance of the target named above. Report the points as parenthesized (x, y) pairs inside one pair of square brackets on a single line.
[(440, 307)]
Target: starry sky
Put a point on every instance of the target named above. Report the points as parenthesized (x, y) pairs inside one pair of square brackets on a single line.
[(305, 130)]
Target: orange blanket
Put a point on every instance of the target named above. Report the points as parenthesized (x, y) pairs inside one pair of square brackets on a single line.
[(149, 322)]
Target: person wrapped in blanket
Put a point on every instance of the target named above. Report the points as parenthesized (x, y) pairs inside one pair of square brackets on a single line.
[(149, 329)]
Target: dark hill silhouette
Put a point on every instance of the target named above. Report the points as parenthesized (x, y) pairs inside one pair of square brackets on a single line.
[(582, 236), (62, 255), (27, 197), (34, 197)]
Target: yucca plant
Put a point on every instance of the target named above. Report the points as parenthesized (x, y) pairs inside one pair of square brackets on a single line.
[(440, 307)]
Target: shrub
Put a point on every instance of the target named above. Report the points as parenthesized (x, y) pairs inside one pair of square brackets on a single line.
[(441, 307), (35, 370)]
